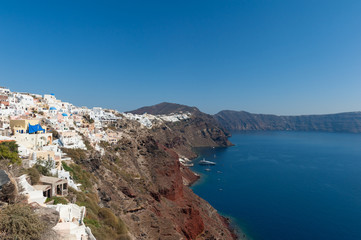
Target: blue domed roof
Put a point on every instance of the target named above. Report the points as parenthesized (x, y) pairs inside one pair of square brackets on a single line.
[(64, 114), (52, 108)]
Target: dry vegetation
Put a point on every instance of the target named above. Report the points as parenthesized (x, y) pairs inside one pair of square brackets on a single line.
[(18, 221), (102, 221)]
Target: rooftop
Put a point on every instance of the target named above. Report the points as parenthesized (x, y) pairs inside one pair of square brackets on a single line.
[(42, 187), (46, 179)]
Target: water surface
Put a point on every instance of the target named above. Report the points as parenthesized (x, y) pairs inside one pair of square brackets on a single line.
[(287, 185)]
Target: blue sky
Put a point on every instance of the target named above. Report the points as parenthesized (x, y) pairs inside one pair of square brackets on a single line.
[(282, 57)]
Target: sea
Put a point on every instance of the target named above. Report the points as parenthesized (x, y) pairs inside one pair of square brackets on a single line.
[(286, 185)]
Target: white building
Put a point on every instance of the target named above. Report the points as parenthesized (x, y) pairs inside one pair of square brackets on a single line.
[(50, 99), (71, 139), (4, 90), (25, 100), (33, 141), (11, 111)]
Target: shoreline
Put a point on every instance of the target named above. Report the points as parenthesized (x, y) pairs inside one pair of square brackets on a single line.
[(236, 231)]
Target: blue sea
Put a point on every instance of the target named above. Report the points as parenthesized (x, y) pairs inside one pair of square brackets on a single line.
[(286, 185)]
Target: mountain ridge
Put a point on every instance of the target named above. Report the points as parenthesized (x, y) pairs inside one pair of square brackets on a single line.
[(165, 108), (245, 121), (231, 120)]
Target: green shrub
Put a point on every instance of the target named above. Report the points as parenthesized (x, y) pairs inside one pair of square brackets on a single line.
[(44, 167), (13, 147), (57, 200), (9, 150), (92, 222), (66, 167)]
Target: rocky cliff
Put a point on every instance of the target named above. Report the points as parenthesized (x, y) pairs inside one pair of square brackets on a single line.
[(142, 182), (244, 121), (199, 130)]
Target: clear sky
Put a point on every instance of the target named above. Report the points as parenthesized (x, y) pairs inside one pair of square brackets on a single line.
[(281, 57)]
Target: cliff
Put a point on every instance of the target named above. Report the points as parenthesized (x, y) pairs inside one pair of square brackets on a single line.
[(244, 121), (142, 182), (199, 130)]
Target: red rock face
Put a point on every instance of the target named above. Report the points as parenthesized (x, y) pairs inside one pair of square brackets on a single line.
[(169, 177), (189, 214), (193, 223)]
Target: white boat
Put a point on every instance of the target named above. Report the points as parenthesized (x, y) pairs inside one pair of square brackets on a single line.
[(205, 162)]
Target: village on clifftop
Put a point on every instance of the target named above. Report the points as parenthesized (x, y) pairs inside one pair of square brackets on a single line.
[(41, 126)]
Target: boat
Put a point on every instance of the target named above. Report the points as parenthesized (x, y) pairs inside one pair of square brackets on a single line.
[(205, 162), (207, 169)]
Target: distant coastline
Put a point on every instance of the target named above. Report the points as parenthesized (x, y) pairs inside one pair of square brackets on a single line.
[(245, 121)]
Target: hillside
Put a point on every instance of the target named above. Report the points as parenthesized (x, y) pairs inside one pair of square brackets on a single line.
[(165, 108), (200, 129), (141, 180), (244, 121)]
